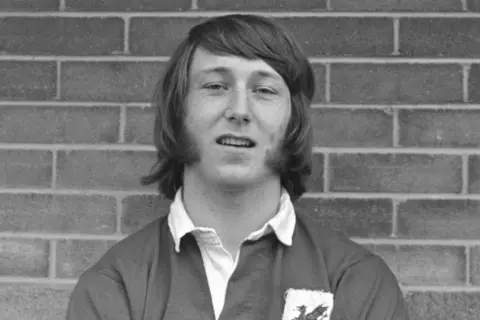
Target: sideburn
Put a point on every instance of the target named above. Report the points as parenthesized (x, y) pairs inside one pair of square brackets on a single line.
[(277, 159), (187, 150)]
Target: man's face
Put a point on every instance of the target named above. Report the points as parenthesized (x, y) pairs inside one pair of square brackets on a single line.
[(237, 111)]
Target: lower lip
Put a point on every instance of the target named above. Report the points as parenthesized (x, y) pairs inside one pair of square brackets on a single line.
[(235, 148)]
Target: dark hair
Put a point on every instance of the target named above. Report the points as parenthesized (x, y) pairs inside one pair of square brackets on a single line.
[(250, 37)]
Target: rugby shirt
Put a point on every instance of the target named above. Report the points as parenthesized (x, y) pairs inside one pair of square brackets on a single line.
[(143, 277)]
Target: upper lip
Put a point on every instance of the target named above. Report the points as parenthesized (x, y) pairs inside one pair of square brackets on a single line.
[(233, 136)]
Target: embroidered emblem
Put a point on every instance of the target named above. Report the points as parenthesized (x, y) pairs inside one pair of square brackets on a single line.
[(301, 304)]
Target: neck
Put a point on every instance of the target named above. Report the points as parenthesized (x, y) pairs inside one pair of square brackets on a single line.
[(234, 213)]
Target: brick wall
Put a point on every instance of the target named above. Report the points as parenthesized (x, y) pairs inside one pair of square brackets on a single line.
[(397, 130)]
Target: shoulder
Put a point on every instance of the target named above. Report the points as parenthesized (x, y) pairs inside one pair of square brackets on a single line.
[(136, 251), (337, 251), (117, 283), (330, 241)]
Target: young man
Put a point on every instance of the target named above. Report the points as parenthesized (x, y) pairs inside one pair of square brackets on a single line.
[(234, 148)]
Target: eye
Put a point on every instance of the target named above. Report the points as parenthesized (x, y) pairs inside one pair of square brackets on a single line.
[(215, 86), (266, 90)]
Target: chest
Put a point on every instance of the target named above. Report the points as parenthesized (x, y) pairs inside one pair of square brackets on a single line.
[(256, 290)]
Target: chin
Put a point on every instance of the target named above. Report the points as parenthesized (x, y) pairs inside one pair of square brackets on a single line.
[(240, 178), (233, 179)]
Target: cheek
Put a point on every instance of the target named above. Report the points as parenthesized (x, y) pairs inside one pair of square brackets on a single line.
[(275, 125)]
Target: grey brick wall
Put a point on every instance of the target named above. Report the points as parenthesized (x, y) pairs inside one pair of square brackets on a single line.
[(396, 124)]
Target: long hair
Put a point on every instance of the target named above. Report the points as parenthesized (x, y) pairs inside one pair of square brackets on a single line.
[(250, 37)]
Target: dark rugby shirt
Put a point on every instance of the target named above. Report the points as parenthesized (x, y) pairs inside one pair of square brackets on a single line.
[(142, 277)]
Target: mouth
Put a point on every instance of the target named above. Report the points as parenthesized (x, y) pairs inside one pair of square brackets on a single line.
[(229, 140)]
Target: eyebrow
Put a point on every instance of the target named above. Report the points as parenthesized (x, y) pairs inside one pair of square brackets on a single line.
[(225, 70)]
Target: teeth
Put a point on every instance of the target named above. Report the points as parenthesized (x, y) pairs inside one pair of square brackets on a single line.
[(235, 142)]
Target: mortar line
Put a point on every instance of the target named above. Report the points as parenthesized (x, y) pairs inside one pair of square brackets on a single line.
[(96, 104), (395, 203), (61, 236), (194, 5), (465, 84), (307, 195), (41, 281), (365, 241), (53, 181), (328, 5), (151, 148), (52, 268), (328, 82), (396, 37), (395, 128), (126, 35), (313, 60), (58, 91), (465, 177), (119, 213), (215, 13), (326, 173), (62, 5), (86, 104), (440, 288), (468, 280), (122, 124)]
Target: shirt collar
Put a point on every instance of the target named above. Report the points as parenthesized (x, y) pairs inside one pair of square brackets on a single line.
[(283, 223)]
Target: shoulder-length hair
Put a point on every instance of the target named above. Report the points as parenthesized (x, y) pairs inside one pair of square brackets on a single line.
[(250, 37)]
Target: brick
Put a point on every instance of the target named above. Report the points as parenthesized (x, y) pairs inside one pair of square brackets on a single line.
[(59, 124), (139, 126), (34, 302), (427, 265), (352, 128), (318, 36), (65, 36), (439, 128), (25, 168), (264, 5), (474, 83), (368, 83), (315, 181), (396, 5), (474, 174), (366, 218), (319, 73), (103, 169), (429, 305), (24, 257), (159, 36), (27, 80), (474, 255), (59, 214), (342, 36), (396, 83), (127, 5), (110, 81), (404, 173), (475, 265), (473, 5), (439, 219), (29, 5), (440, 37), (139, 210), (76, 256)]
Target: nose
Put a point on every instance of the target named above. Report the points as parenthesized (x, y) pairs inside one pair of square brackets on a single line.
[(238, 109)]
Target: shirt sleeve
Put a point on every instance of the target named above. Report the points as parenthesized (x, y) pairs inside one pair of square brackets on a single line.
[(368, 290), (98, 296)]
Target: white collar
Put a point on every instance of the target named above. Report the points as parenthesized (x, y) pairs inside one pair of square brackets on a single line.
[(283, 223)]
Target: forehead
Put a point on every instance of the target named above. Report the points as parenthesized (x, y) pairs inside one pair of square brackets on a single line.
[(205, 62)]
